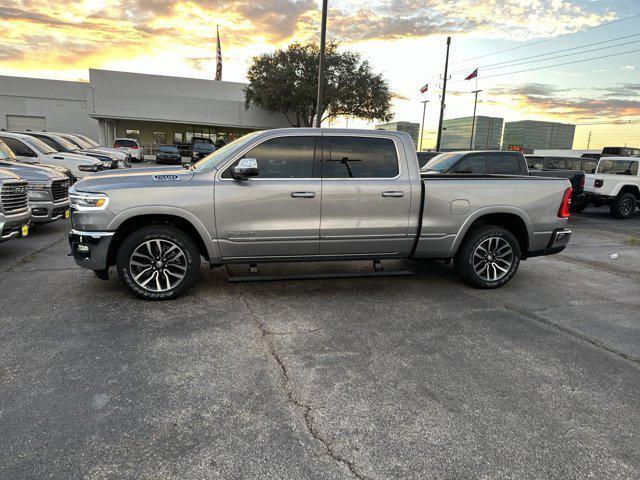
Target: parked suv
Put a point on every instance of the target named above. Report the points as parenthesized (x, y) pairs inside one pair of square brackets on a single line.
[(616, 183), (29, 149), (14, 206), (131, 145)]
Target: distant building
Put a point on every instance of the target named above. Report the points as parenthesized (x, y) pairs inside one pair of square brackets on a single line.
[(412, 129), (533, 135), (456, 134)]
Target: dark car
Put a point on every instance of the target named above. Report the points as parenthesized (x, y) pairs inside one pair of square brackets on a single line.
[(201, 150), (168, 154), (505, 163), (424, 157)]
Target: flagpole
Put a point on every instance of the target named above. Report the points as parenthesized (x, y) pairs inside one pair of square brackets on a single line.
[(424, 111), (473, 123), (444, 93)]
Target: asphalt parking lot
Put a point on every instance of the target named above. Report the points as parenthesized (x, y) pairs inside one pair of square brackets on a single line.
[(413, 377)]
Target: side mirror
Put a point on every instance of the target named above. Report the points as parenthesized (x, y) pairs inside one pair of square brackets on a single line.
[(247, 167)]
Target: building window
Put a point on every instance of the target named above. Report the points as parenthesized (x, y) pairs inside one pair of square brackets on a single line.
[(160, 138), (177, 137), (132, 134)]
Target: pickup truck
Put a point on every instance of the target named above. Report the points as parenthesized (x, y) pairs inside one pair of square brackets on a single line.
[(14, 206), (311, 194), (509, 163), (615, 183)]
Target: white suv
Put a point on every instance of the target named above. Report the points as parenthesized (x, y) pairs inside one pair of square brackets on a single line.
[(616, 183), (131, 145), (29, 149)]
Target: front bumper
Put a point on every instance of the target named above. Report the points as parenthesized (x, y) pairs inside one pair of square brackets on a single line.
[(45, 212), (558, 242), (90, 249), (12, 226)]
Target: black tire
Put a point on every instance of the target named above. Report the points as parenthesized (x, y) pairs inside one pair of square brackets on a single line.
[(469, 250), (624, 206), (163, 235)]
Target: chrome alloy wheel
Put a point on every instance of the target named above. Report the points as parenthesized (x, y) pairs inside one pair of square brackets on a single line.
[(492, 259), (158, 265), (627, 206)]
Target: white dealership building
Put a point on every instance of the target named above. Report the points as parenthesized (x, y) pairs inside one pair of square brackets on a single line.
[(153, 108)]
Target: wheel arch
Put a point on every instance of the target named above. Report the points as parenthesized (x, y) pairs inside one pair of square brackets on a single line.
[(130, 220), (514, 220), (633, 189)]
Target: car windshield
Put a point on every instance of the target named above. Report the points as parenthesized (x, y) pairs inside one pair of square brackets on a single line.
[(442, 162), (5, 152), (168, 149), (66, 144), (39, 145), (213, 158), (88, 140), (78, 141), (617, 167), (125, 143), (204, 146)]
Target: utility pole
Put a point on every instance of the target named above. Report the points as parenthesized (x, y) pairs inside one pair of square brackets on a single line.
[(424, 110), (589, 141), (323, 42), (444, 93), (473, 123)]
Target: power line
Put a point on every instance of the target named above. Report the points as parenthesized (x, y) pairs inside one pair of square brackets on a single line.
[(495, 65), (555, 65), (552, 38)]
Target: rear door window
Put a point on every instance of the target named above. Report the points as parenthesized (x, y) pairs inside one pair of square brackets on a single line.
[(475, 164), (284, 157), (556, 164), (618, 167), (359, 157), (504, 164)]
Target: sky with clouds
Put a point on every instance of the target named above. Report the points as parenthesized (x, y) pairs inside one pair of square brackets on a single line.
[(404, 39)]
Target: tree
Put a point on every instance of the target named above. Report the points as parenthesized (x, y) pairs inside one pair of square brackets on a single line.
[(286, 82)]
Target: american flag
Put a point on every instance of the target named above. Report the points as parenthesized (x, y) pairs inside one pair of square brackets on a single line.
[(424, 88), (218, 57)]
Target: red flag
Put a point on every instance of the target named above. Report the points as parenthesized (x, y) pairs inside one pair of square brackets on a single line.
[(218, 58), (425, 88), (473, 74)]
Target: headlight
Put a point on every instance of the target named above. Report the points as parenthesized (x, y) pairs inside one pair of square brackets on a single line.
[(88, 168), (88, 202)]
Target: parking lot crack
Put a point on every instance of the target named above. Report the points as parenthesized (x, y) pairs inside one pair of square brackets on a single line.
[(537, 318), (307, 410)]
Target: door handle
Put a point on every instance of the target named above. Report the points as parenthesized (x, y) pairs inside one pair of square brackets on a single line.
[(393, 194), (303, 194)]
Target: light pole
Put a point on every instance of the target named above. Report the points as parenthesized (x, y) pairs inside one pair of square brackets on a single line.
[(424, 110), (323, 41), (473, 123), (444, 93)]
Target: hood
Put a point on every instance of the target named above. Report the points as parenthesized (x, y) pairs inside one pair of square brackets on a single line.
[(30, 173), (74, 156), (140, 177), (7, 175)]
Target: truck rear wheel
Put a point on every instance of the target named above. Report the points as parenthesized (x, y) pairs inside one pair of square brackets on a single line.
[(158, 262), (624, 206), (488, 257)]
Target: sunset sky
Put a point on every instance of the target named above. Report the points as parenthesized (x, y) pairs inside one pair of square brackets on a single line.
[(404, 39)]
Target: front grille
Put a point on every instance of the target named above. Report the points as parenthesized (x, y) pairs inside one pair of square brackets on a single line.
[(60, 190), (14, 197)]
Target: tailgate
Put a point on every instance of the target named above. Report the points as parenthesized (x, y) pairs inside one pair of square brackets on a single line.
[(589, 182)]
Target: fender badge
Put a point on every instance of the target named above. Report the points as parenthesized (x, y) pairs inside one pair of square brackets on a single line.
[(166, 178)]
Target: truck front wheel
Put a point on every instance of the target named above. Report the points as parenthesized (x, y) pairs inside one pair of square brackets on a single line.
[(488, 257), (158, 262), (624, 206)]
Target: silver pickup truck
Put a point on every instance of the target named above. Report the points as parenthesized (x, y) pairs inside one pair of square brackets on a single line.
[(15, 215), (309, 194)]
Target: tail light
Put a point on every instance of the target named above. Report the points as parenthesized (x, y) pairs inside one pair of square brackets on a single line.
[(565, 206), (598, 183), (134, 147)]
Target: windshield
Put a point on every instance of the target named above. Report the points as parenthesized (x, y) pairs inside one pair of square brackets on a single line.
[(617, 167), (88, 140), (213, 158), (77, 141), (168, 149), (5, 152), (39, 145), (66, 144), (442, 162)]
